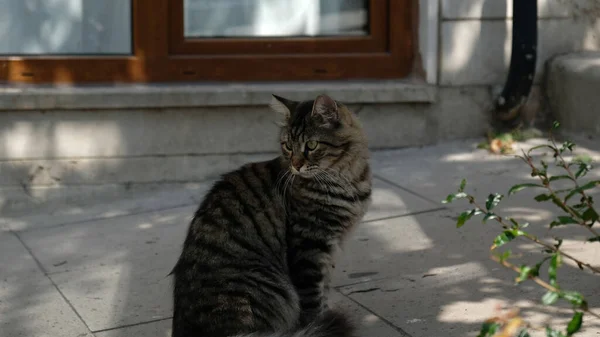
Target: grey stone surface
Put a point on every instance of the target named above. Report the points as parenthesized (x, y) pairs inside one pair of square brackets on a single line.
[(85, 153), (439, 281), (390, 201), (107, 134), (30, 305), (57, 213), (206, 95), (476, 52), (114, 241), (119, 294), (368, 323), (499, 9), (114, 271), (407, 272), (572, 88), (448, 164), (161, 328), (460, 113), (75, 201), (121, 170)]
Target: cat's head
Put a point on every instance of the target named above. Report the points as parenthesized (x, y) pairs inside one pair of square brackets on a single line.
[(319, 135)]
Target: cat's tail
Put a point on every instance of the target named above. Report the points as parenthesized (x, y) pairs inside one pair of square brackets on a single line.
[(329, 324)]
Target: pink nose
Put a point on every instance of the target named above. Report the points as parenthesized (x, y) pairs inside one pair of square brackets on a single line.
[(297, 163)]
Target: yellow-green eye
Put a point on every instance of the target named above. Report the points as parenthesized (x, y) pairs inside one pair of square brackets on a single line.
[(312, 144)]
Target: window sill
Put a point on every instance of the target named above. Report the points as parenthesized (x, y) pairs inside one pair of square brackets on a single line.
[(27, 97)]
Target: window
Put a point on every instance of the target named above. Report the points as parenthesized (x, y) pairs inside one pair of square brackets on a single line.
[(72, 41)]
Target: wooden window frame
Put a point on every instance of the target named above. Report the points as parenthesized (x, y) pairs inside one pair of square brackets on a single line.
[(161, 54)]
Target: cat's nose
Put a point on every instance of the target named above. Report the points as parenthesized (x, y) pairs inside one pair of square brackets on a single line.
[(297, 163)]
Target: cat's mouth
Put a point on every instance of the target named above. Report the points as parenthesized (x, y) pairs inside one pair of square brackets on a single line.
[(304, 172)]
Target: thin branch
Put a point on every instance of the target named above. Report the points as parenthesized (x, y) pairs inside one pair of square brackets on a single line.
[(532, 238), (573, 178), (564, 206), (538, 280)]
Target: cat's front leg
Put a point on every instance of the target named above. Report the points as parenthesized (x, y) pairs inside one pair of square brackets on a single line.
[(310, 273)]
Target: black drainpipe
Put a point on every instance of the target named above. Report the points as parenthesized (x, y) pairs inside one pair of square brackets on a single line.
[(522, 65)]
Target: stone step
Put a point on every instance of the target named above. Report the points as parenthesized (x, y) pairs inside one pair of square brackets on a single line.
[(573, 89)]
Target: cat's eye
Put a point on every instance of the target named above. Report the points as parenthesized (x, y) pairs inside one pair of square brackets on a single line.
[(312, 144), (287, 146)]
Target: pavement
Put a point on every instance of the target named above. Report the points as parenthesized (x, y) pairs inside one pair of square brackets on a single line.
[(101, 269)]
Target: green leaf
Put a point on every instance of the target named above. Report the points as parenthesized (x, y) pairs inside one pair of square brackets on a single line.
[(451, 197), (520, 187), (566, 220), (466, 215), (553, 333), (550, 298), (523, 333), (555, 125), (493, 200), (590, 215), (504, 256), (539, 147), (542, 197), (524, 273), (582, 170), (488, 329), (574, 297), (567, 145), (580, 189), (532, 272), (554, 264), (575, 323), (561, 177), (463, 183), (563, 220), (504, 238), (490, 216)]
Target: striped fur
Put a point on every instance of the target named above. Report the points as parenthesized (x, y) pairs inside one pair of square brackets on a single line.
[(258, 254)]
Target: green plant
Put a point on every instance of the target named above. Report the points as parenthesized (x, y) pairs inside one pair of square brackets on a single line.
[(575, 207)]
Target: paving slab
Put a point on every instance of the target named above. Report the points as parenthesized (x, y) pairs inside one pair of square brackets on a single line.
[(30, 305), (390, 201), (114, 271), (431, 279), (160, 328), (406, 268), (435, 172), (107, 267), (57, 214), (368, 324), (152, 237)]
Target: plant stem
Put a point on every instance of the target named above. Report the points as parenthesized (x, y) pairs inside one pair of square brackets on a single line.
[(532, 238), (563, 205), (573, 178), (537, 280)]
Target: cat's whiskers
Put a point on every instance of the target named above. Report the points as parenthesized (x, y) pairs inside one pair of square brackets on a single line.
[(333, 176)]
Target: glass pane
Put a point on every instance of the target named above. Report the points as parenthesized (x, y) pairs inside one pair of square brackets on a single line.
[(275, 18), (63, 27)]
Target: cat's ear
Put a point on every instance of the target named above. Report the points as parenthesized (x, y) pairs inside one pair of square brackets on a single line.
[(282, 106), (326, 109)]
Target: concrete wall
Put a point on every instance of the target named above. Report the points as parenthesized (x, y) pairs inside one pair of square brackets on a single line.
[(46, 149), (465, 49), (475, 37)]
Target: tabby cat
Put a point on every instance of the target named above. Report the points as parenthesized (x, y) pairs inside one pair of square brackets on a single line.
[(258, 253)]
